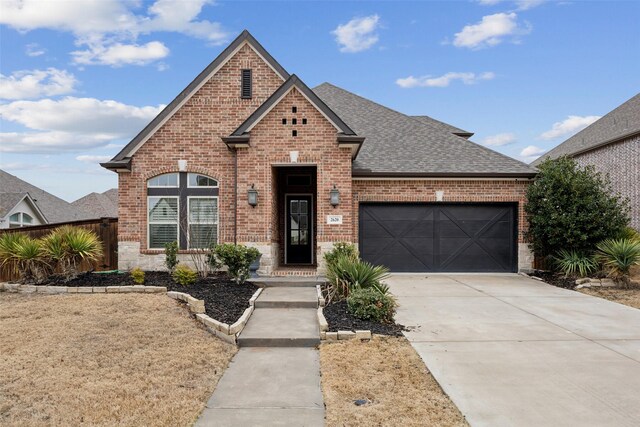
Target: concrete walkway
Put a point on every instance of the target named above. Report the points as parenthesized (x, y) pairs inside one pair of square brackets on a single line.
[(274, 380), (512, 351)]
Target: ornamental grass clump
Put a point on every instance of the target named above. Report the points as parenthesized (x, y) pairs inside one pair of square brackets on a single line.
[(618, 256), (574, 263)]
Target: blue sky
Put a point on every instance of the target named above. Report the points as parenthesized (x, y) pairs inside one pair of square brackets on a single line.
[(81, 77)]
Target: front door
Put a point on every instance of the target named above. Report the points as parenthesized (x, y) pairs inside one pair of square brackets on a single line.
[(299, 229)]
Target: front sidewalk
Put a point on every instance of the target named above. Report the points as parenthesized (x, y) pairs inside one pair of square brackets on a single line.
[(510, 350)]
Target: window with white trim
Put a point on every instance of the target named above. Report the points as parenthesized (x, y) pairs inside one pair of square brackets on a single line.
[(20, 219), (182, 207), (163, 221), (203, 222)]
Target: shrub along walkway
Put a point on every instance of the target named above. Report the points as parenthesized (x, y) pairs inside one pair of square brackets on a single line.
[(275, 377)]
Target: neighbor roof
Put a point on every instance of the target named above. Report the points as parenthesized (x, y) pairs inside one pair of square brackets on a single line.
[(100, 205), (446, 127), (121, 160), (400, 145), (619, 124), (9, 200), (53, 208)]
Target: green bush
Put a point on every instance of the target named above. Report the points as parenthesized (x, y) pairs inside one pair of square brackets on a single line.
[(341, 249), (369, 304), (574, 263), (570, 207), (138, 276), (171, 255), (618, 256), (184, 275), (345, 274), (237, 258)]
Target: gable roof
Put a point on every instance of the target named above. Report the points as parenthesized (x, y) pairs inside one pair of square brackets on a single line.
[(8, 202), (99, 205), (121, 160), (53, 208), (446, 127), (400, 145), (281, 92), (621, 123)]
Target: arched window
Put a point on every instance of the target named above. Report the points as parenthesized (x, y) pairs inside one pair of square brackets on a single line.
[(20, 219), (182, 207)]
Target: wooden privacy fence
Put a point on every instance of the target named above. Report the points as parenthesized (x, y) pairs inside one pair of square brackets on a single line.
[(105, 228)]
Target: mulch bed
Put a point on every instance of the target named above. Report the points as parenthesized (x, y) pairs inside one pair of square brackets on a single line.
[(224, 300), (555, 279), (339, 319)]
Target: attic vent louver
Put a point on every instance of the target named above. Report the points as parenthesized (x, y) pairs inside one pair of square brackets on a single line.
[(246, 88)]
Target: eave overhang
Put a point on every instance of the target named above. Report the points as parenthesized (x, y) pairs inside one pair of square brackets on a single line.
[(123, 165)]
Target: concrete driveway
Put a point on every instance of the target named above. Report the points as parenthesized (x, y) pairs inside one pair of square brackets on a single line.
[(513, 351)]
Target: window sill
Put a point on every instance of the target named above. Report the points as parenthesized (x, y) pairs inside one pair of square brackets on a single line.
[(161, 251)]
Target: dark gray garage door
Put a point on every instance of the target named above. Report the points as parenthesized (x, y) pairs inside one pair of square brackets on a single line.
[(439, 237)]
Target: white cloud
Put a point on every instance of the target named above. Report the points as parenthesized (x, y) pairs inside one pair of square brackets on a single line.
[(532, 152), (500, 139), (34, 49), (358, 34), (490, 31), (569, 126), (444, 80), (88, 158), (36, 83), (121, 54), (103, 25), (71, 124)]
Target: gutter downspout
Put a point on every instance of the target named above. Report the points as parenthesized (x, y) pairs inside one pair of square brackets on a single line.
[(235, 196)]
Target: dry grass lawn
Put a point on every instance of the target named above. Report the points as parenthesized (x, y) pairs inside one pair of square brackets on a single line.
[(630, 297), (391, 375), (135, 360)]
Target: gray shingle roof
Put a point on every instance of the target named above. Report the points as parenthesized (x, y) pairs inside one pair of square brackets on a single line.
[(99, 205), (620, 123), (446, 127), (9, 200), (53, 208), (400, 145)]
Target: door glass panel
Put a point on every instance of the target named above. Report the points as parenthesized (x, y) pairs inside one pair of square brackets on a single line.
[(294, 206), (303, 221), (294, 237), (303, 206), (303, 237)]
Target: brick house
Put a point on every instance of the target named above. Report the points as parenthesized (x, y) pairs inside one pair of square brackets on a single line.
[(247, 153), (612, 145)]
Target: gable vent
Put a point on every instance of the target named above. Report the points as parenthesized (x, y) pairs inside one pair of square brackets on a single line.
[(246, 84)]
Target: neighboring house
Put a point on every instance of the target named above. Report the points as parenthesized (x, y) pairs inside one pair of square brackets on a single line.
[(99, 205), (23, 204), (612, 146), (249, 154)]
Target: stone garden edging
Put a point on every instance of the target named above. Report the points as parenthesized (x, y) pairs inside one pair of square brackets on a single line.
[(221, 330), (323, 326)]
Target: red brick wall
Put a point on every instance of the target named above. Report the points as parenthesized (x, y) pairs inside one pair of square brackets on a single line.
[(193, 133), (454, 191)]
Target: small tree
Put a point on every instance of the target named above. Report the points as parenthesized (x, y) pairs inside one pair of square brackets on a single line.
[(572, 207)]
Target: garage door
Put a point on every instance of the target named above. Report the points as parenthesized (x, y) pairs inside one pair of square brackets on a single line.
[(439, 237)]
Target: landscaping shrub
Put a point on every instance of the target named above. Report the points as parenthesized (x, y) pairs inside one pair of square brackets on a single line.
[(9, 243), (171, 255), (184, 275), (237, 258), (618, 256), (341, 249), (574, 263), (30, 261), (212, 259), (630, 234), (369, 304), (138, 276), (69, 246), (571, 207), (346, 274)]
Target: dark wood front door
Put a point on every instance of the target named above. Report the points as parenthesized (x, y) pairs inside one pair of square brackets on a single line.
[(299, 229)]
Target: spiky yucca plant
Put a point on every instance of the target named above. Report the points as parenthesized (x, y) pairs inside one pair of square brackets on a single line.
[(80, 245), (346, 274), (618, 256), (9, 243), (574, 263)]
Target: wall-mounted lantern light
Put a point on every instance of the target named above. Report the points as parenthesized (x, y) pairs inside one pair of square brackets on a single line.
[(334, 196), (182, 165), (252, 196)]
